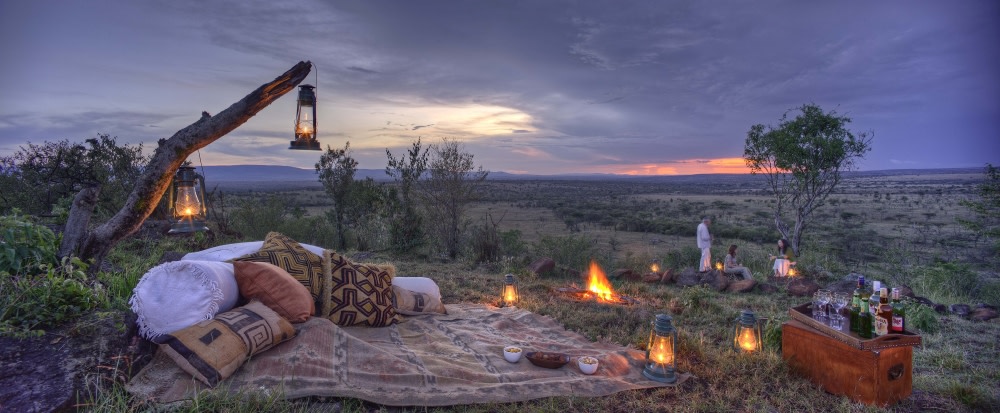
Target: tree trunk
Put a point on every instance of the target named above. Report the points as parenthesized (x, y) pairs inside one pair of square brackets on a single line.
[(79, 219), (171, 153)]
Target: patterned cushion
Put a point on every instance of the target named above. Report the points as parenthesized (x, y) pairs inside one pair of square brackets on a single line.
[(292, 257), (275, 288), (360, 294), (213, 350), (409, 302)]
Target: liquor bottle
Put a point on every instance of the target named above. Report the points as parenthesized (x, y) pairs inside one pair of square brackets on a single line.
[(864, 320), (856, 303), (898, 314), (883, 316), (873, 302)]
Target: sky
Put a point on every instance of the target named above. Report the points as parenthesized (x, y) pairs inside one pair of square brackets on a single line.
[(536, 87)]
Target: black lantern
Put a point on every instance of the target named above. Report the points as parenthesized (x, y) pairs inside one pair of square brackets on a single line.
[(187, 201), (508, 294), (305, 120), (661, 353)]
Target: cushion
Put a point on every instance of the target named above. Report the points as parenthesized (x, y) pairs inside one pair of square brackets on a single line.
[(360, 294), (409, 302), (275, 288), (178, 294), (213, 350), (419, 284), (227, 252), (300, 263)]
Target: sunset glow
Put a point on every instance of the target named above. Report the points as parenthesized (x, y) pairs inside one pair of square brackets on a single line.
[(685, 167)]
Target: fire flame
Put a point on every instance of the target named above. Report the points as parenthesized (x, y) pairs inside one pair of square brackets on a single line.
[(598, 283), (792, 272), (718, 266), (655, 267)]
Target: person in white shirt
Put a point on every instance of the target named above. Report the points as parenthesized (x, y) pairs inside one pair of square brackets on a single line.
[(705, 243)]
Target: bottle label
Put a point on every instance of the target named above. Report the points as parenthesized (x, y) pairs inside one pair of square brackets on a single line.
[(897, 324), (881, 326)]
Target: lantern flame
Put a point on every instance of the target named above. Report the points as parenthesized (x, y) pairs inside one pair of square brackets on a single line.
[(661, 352), (509, 294), (792, 272), (747, 339), (598, 284), (718, 266), (655, 267)]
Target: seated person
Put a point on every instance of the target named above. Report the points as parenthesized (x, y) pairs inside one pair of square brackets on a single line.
[(732, 267), (782, 261)]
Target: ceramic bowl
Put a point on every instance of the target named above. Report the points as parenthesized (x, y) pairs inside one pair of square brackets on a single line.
[(588, 365), (547, 360), (512, 353)]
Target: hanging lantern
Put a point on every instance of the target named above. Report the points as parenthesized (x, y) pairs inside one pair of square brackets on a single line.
[(186, 202), (661, 354), (305, 120), (747, 334), (508, 294)]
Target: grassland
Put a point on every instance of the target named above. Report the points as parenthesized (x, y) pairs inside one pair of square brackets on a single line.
[(896, 228)]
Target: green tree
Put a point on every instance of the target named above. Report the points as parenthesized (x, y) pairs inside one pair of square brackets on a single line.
[(802, 159), (336, 170), (406, 227), (453, 183), (986, 210), (37, 178)]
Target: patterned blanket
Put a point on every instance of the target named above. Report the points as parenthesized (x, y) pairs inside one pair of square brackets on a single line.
[(427, 360)]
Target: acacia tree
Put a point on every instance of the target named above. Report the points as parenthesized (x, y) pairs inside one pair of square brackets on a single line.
[(802, 159), (407, 171), (336, 170), (451, 186), (986, 210)]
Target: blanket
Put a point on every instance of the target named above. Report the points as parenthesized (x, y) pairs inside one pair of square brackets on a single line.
[(427, 360)]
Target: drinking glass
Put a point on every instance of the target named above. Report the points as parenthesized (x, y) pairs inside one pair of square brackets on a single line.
[(824, 301), (817, 305), (840, 300)]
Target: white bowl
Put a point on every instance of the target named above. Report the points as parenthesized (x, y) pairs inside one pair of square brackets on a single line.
[(588, 365), (512, 353)]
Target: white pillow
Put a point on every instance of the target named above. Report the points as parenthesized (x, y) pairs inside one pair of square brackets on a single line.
[(418, 284), (229, 251), (179, 294)]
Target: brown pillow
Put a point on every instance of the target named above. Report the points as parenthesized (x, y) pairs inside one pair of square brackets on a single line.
[(213, 350), (275, 288), (300, 263), (360, 294), (414, 303)]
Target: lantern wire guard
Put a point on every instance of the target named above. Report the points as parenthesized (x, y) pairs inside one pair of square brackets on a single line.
[(661, 354)]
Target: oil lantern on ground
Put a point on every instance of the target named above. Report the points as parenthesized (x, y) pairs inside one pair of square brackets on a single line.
[(661, 354), (508, 293), (747, 334), (187, 201), (305, 120)]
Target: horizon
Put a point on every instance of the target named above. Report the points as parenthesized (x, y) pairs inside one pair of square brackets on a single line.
[(652, 89)]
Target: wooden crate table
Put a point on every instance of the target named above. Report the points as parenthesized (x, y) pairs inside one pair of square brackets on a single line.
[(876, 371)]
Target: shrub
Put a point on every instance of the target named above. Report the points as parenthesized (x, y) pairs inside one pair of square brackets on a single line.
[(25, 246), (33, 302), (945, 281), (570, 251)]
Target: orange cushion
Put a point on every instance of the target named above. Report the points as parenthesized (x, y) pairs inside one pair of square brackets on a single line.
[(292, 257), (274, 287)]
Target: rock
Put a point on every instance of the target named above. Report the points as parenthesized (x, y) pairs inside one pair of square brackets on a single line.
[(984, 313), (688, 278), (572, 272), (767, 288), (742, 286), (845, 285), (51, 372), (801, 287), (668, 277), (940, 308), (652, 278), (925, 301), (906, 291), (542, 265), (961, 310), (621, 273), (718, 281)]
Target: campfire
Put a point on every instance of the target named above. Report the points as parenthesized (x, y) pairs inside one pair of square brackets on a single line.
[(598, 289)]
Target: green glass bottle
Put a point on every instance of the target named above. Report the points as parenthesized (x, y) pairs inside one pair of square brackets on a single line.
[(898, 314), (856, 303), (865, 321)]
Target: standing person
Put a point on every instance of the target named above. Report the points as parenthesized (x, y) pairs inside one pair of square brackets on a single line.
[(732, 267), (705, 243), (782, 261)]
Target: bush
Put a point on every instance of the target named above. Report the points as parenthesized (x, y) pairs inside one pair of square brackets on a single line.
[(569, 251), (30, 303), (25, 247), (945, 282)]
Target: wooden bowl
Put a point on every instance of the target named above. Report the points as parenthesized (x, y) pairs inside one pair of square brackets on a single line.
[(547, 360)]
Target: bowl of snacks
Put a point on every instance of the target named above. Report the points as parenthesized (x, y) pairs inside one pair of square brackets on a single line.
[(588, 365), (547, 360), (512, 353)]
